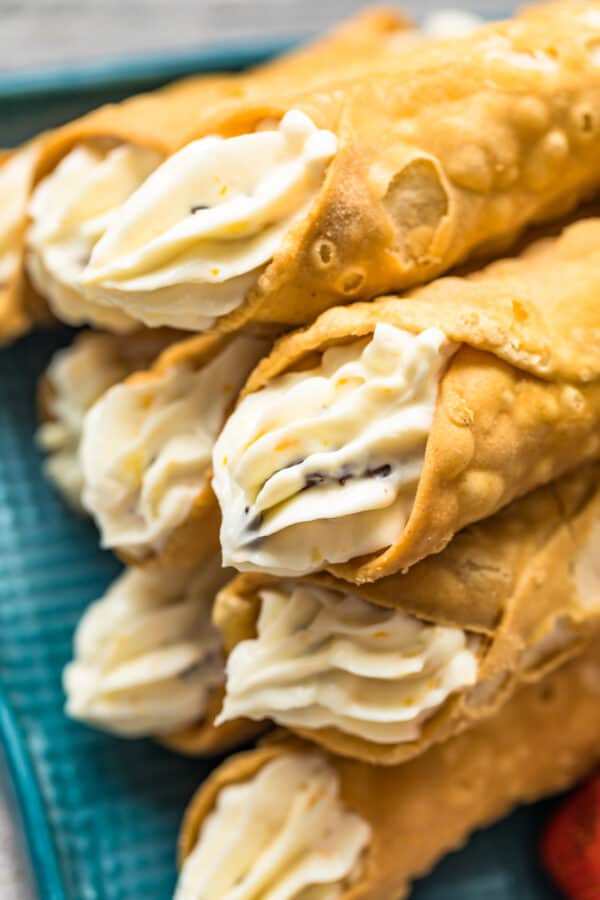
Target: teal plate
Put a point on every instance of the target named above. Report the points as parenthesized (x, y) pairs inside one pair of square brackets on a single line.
[(100, 816)]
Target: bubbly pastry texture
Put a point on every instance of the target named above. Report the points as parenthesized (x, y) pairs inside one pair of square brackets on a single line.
[(70, 210), (322, 466), (323, 659), (283, 835), (77, 377), (147, 445), (147, 656), (188, 245), (14, 192)]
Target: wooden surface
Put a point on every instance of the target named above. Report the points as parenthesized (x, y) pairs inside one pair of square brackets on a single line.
[(41, 33)]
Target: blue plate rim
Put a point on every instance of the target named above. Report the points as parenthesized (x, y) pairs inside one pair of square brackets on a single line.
[(143, 68), (34, 819)]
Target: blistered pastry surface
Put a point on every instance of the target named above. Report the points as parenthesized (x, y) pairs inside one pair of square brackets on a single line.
[(525, 580), (529, 332)]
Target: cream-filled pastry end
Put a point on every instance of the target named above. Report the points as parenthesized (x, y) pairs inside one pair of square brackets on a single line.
[(147, 446), (76, 377), (70, 209), (285, 834), (322, 466), (189, 244), (324, 659), (146, 655)]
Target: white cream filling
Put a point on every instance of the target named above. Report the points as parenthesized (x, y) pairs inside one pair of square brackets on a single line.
[(147, 656), (445, 24), (70, 210), (147, 445), (323, 659), (15, 177), (194, 238), (322, 466), (77, 377), (283, 835), (450, 23)]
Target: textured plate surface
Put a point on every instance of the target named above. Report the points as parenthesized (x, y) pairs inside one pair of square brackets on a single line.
[(101, 815)]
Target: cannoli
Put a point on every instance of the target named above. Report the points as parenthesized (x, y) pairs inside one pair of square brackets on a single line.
[(383, 671), (287, 820), (147, 445), (81, 173), (149, 663), (76, 377), (365, 442), (379, 183)]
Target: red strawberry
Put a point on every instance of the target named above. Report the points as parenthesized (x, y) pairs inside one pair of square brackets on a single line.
[(571, 843)]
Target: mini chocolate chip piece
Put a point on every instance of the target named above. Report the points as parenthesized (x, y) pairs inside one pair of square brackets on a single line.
[(256, 522), (345, 475), (198, 208), (312, 480), (379, 472), (187, 673)]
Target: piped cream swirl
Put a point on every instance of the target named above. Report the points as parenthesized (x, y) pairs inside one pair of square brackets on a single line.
[(70, 210), (188, 245), (76, 377), (283, 835), (147, 445), (324, 659), (147, 656), (322, 466)]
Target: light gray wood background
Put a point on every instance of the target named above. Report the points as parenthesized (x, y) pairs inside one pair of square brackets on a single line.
[(48, 32), (41, 33)]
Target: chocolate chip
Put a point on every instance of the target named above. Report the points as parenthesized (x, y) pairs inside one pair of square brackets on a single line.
[(256, 522), (187, 673), (198, 208), (312, 480), (346, 473), (379, 472)]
